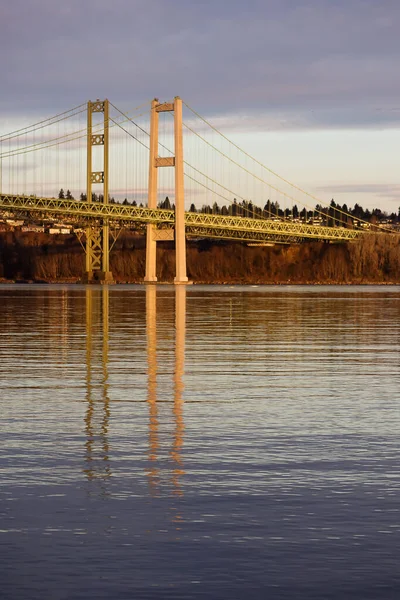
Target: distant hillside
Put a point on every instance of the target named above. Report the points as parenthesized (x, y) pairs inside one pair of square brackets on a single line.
[(28, 256)]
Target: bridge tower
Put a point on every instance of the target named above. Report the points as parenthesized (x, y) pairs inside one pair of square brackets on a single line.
[(155, 162), (97, 236)]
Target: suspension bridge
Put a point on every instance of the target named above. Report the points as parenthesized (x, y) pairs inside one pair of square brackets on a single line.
[(128, 163)]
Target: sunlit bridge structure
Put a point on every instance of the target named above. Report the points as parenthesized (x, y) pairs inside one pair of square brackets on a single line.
[(101, 170)]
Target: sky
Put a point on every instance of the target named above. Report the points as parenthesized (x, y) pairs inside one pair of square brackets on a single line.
[(308, 87)]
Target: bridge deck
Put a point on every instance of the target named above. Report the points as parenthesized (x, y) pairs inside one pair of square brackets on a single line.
[(196, 224)]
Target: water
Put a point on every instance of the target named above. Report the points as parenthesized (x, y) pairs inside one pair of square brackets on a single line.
[(200, 442)]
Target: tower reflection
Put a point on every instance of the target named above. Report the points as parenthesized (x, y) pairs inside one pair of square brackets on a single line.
[(178, 436), (97, 416), (180, 333), (151, 332), (97, 460)]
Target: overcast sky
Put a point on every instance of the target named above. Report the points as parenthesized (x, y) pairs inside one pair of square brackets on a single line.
[(308, 86)]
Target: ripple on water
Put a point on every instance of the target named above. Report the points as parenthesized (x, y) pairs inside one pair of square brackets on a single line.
[(234, 441)]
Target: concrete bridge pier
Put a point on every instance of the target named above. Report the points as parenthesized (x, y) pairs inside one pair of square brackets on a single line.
[(151, 243), (180, 237), (153, 234)]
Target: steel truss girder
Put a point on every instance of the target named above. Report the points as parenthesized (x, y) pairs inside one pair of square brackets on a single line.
[(212, 225), (248, 227), (243, 236), (94, 247)]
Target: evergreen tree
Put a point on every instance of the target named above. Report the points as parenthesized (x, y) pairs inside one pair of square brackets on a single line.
[(267, 209), (166, 205)]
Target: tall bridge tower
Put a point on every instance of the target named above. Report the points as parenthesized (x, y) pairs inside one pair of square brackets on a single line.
[(156, 162), (98, 235)]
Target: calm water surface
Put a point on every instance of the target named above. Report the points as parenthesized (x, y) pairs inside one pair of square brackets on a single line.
[(200, 442)]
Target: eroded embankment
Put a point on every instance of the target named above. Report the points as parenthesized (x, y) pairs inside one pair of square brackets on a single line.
[(373, 259)]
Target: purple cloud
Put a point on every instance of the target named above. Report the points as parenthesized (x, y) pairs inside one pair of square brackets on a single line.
[(314, 62), (390, 191)]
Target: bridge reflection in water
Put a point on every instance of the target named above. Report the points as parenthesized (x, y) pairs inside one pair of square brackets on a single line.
[(97, 416), (151, 332), (98, 467)]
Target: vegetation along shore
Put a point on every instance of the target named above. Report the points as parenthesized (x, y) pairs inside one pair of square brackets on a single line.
[(41, 257)]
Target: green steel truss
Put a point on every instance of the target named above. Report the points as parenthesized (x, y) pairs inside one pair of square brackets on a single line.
[(94, 214)]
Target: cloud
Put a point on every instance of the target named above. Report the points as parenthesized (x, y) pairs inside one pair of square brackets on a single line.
[(310, 63), (300, 120), (390, 191)]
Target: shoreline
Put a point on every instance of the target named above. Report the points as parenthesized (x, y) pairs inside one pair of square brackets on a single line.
[(73, 281)]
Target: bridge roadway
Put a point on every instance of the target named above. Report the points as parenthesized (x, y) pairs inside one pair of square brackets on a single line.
[(196, 224)]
